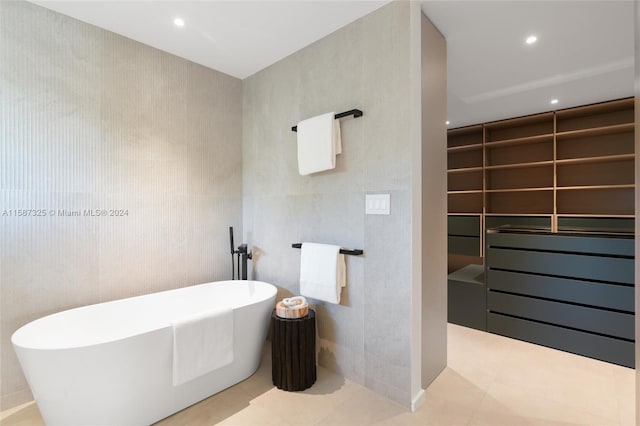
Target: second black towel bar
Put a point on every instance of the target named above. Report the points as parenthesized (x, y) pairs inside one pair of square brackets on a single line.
[(355, 252), (355, 112)]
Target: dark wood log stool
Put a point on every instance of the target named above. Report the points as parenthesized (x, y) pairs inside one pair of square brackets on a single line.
[(293, 352)]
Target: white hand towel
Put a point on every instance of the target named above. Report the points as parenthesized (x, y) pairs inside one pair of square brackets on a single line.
[(337, 136), (202, 343), (319, 141), (322, 272)]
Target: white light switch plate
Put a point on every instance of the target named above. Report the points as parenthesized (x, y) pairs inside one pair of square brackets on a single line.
[(377, 204)]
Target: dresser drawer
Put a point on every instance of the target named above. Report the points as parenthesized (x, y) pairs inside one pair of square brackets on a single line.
[(615, 324)]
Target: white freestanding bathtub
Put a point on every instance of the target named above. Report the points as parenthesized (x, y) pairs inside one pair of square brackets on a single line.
[(111, 363)]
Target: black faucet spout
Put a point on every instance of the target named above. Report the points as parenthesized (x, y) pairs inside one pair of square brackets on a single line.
[(245, 254)]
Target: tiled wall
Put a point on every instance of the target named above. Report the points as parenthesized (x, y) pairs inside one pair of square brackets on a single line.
[(364, 65), (91, 120)]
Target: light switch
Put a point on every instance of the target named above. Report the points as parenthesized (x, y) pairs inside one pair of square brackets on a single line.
[(377, 204)]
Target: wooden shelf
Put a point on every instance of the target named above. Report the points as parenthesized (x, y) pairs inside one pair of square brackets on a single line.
[(595, 173), (520, 176), (520, 141), (469, 202), (537, 201), (466, 181), (465, 136), (465, 170), (464, 159), (518, 214), (464, 147), (628, 216), (605, 201), (519, 189), (520, 165), (465, 130), (470, 191), (519, 128), (595, 187), (599, 159), (593, 117), (596, 131), (519, 154), (597, 108)]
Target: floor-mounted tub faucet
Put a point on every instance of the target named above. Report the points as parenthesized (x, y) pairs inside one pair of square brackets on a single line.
[(243, 254)]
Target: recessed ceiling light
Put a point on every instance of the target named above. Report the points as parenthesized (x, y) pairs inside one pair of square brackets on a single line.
[(448, 122), (531, 39), (554, 101), (179, 22)]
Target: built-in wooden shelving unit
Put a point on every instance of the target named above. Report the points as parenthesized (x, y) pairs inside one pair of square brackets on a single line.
[(466, 169), (573, 163)]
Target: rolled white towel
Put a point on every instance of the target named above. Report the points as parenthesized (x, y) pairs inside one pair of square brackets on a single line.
[(297, 302)]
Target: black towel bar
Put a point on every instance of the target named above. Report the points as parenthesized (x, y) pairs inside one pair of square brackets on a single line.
[(355, 252), (355, 112)]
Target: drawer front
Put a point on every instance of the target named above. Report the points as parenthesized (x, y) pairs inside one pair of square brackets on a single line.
[(612, 269), (563, 243), (469, 246), (609, 223), (611, 296), (543, 222), (464, 226), (608, 349), (594, 320)]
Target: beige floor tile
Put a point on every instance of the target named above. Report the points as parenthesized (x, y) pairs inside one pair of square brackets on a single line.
[(363, 407), (23, 415), (476, 355), (493, 413), (625, 389), (212, 410), (435, 411), (453, 387), (513, 404), (450, 400), (254, 414), (311, 405), (569, 379), (260, 382), (628, 413)]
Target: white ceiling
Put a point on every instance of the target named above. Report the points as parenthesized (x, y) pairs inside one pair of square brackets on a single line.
[(236, 37), (584, 53)]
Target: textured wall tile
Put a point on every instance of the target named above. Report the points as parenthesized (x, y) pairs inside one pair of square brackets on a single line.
[(388, 158), (388, 294), (49, 264), (90, 121), (49, 100), (363, 65)]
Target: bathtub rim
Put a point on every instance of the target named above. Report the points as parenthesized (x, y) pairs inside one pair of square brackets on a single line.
[(19, 340)]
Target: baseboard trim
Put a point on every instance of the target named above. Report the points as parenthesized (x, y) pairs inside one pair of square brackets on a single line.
[(418, 400)]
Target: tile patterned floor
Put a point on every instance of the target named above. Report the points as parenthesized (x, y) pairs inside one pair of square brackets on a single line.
[(490, 380)]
